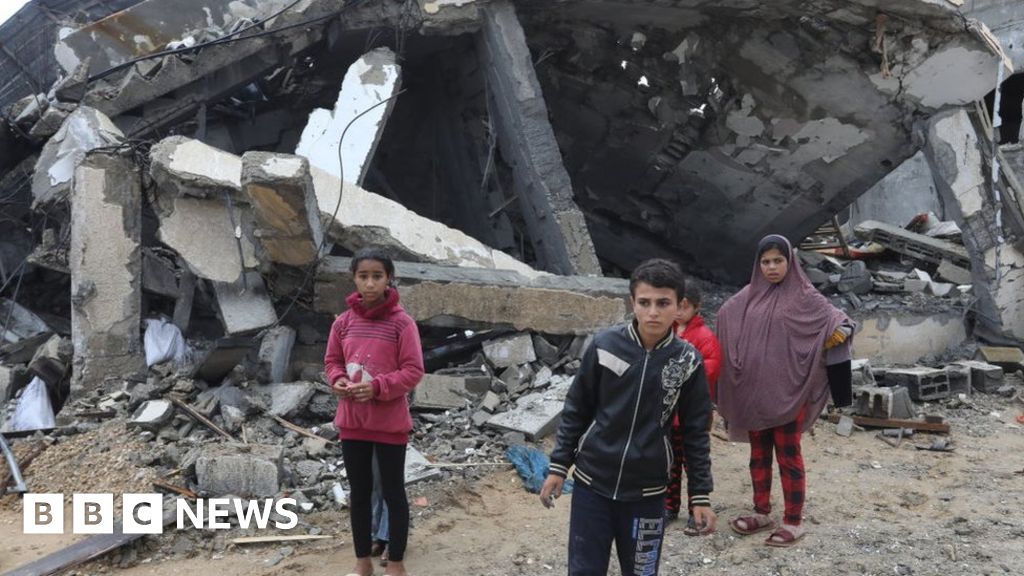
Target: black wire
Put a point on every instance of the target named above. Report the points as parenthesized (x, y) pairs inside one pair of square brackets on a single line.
[(341, 190), (13, 302)]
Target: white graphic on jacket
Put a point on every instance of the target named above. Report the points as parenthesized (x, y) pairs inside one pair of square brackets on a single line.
[(675, 372), (357, 373)]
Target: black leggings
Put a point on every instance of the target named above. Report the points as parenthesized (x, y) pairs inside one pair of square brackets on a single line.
[(359, 466)]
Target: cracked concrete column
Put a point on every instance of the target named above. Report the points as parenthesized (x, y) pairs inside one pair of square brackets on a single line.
[(954, 154), (106, 270), (287, 216), (557, 228)]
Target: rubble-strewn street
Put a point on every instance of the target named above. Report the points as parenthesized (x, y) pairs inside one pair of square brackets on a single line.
[(184, 185)]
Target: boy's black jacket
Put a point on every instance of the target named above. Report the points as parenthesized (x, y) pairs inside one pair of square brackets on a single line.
[(618, 417)]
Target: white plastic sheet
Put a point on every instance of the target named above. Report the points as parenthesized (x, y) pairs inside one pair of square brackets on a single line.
[(163, 342), (34, 411)]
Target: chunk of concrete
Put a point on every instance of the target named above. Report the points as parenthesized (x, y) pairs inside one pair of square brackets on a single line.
[(490, 402), (106, 269), (860, 368), (84, 130), (512, 351), (436, 392), (72, 87), (546, 351), (912, 244), (288, 399), (50, 122), (1008, 358), (472, 298), (535, 415), (953, 273), (52, 361), (280, 189), (214, 245), (845, 426), (187, 167), (152, 415), (275, 354), (370, 80), (959, 379), (27, 110), (984, 377), (556, 226), (244, 306), (856, 278), (254, 472)]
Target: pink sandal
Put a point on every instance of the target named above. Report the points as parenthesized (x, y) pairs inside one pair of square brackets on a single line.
[(783, 538), (754, 523)]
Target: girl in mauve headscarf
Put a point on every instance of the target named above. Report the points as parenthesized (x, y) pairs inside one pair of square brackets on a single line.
[(778, 334)]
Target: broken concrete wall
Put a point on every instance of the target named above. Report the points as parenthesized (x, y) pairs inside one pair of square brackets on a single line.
[(904, 193), (472, 297), (373, 78), (557, 229), (1003, 19), (907, 338), (793, 127), (84, 130), (106, 270), (997, 267)]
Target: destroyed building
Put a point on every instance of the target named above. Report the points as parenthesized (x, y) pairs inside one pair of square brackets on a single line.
[(178, 202)]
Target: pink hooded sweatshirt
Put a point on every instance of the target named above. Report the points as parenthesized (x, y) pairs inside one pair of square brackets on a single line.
[(382, 345)]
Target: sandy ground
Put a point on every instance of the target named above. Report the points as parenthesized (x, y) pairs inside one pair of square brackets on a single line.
[(872, 510)]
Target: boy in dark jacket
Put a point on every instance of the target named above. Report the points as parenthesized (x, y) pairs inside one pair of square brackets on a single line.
[(615, 429)]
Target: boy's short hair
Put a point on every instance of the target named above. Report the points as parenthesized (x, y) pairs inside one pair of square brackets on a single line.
[(693, 294), (659, 273)]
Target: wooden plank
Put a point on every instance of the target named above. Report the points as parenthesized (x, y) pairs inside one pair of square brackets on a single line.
[(268, 539), (202, 419), (83, 551), (298, 429), (940, 427), (176, 489)]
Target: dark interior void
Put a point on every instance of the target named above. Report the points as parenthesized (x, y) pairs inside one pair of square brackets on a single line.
[(1010, 102)]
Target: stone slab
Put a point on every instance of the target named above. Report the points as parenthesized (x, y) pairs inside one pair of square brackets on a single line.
[(436, 392)]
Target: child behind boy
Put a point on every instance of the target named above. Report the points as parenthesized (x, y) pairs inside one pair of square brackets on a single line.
[(691, 327), (618, 413)]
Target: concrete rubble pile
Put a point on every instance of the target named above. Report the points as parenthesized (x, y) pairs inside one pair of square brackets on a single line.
[(179, 205)]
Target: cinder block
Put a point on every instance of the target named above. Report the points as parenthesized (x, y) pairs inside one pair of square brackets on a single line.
[(923, 384), (985, 377)]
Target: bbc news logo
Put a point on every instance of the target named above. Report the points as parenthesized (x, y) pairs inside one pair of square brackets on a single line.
[(144, 513)]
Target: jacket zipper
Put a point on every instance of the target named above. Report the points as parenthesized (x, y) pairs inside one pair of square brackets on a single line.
[(632, 426), (579, 447)]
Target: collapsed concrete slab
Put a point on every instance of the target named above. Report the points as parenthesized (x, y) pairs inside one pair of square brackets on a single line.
[(188, 167), (280, 189), (512, 351), (373, 78), (286, 399), (918, 246), (363, 218), (417, 467), (84, 130), (245, 305), (558, 230), (904, 193), (106, 270), (152, 415), (474, 297), (997, 267), (23, 322)]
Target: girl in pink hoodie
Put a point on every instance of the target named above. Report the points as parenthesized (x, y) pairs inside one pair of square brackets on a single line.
[(373, 361)]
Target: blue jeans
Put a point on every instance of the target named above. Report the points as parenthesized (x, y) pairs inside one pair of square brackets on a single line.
[(380, 507), (635, 527)]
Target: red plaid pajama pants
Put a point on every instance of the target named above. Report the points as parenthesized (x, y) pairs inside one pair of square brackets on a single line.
[(784, 441)]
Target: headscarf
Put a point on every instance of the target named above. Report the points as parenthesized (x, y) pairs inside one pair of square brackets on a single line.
[(773, 343)]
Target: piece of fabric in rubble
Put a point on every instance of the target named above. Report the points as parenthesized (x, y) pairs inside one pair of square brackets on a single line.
[(532, 466), (163, 341), (33, 411)]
